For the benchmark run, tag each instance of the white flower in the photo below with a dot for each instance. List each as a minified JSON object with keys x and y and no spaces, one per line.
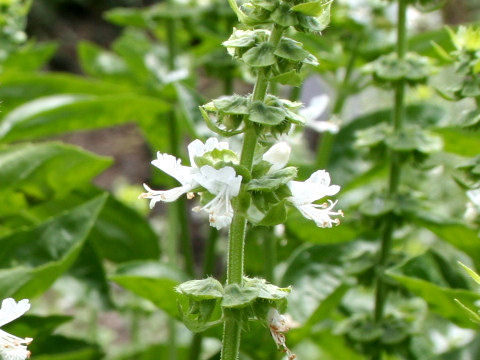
{"x":278,"y":156}
{"x":279,"y":325}
{"x":314,"y":111}
{"x":12,"y":347}
{"x":315,"y":188}
{"x":172,"y":166}
{"x":224,"y":184}
{"x":197,"y":148}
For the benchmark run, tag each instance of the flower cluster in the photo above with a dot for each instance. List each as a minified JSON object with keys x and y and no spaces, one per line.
{"x":220,"y":184}
{"x":306,"y":193}
{"x":13,"y":347}
{"x":223,"y":183}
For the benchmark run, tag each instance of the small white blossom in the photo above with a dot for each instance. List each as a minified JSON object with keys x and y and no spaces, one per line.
{"x":317,"y":107}
{"x":305,"y":193}
{"x":12,"y":347}
{"x":224,"y":184}
{"x":278,"y":156}
{"x":279,"y":325}
{"x":172,"y":166}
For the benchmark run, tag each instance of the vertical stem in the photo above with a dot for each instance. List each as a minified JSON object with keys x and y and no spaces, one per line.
{"x":295,"y":93}
{"x":232,"y":327}
{"x":327,"y":139}
{"x":270,"y":253}
{"x":395,"y":170}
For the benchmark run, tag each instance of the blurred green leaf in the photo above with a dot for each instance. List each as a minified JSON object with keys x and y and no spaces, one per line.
{"x":47,"y":170}
{"x":461,"y":142}
{"x":153,"y":281}
{"x":98,"y":62}
{"x":460,"y":236}
{"x":65,"y":113}
{"x":59,"y":347}
{"x":319,"y":272}
{"x":35,"y":326}
{"x":428,"y":279}
{"x":30,"y":57}
{"x":20,"y":87}
{"x":33,"y":259}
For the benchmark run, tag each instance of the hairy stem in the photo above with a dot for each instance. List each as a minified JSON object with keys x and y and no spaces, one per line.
{"x":395,"y":170}
{"x":232,"y":327}
{"x":326,"y":143}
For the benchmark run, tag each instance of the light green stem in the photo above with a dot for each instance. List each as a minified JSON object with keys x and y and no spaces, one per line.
{"x":395,"y":172}
{"x":327,"y":140}
{"x":232,"y":327}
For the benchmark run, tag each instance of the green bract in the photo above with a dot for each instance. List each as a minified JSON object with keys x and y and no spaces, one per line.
{"x":389,"y":69}
{"x":303,"y":15}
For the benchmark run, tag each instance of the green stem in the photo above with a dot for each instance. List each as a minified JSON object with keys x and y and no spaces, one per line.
{"x":232,"y":327}
{"x":270,"y":253}
{"x":295,"y":93}
{"x":395,"y":172}
{"x":327,"y":139}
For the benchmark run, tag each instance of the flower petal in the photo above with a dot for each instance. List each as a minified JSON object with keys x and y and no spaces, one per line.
{"x":12,"y":310}
{"x":316,"y":108}
{"x":172,"y":166}
{"x":278,"y":155}
{"x":164,"y":195}
{"x":12,"y":347}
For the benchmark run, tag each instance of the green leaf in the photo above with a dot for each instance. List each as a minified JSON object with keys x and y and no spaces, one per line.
{"x":320,"y":272}
{"x":122,"y":234}
{"x":460,"y":236}
{"x":265,"y":115}
{"x":59,"y":347}
{"x":472,"y":273}
{"x":30,"y":57}
{"x":267,"y":291}
{"x":271,"y":181}
{"x":100,"y":63}
{"x":57,"y":114}
{"x":317,"y":8}
{"x":292,"y":78}
{"x":20,"y":87}
{"x":205,"y":289}
{"x":414,"y":138}
{"x":465,"y":143}
{"x":48,"y":169}
{"x":153,"y":281}
{"x":233,"y":104}
{"x":236,"y":296}
{"x":45,"y":252}
{"x":440,"y":299}
{"x":127,"y":17}
{"x":291,"y":50}
{"x":277,"y":214}
{"x":284,"y":16}
{"x":260,"y":55}
{"x":35,"y":326}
